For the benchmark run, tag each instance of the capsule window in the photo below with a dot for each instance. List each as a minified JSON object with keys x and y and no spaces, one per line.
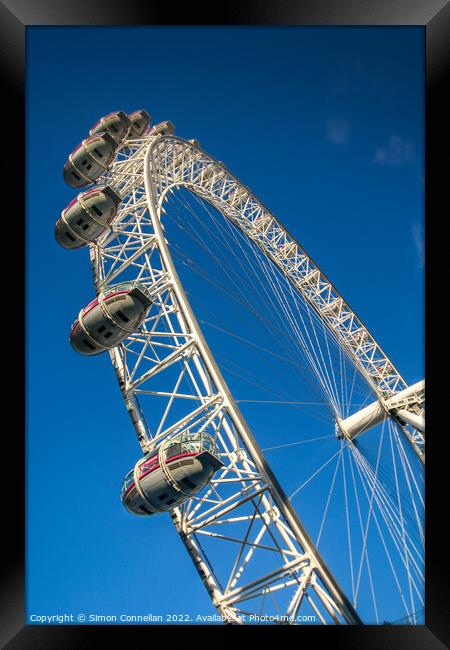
{"x":173,"y":450}
{"x":99,"y":153}
{"x":122,"y":316}
{"x":144,"y":509}
{"x":170,"y":501}
{"x":101,"y":329}
{"x":108,"y":334}
{"x":79,"y":222}
{"x":96,"y":210}
{"x":86,"y":226}
{"x":163,"y":496}
{"x":113,"y":128}
{"x":109,"y":301}
{"x":76,"y":176}
{"x":70,"y":236}
{"x":187,"y":481}
{"x":88,"y":345}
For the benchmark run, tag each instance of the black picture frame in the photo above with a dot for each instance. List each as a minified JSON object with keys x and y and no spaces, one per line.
{"x":15,"y":17}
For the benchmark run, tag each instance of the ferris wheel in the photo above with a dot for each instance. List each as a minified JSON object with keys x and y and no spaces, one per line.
{"x":200,"y":460}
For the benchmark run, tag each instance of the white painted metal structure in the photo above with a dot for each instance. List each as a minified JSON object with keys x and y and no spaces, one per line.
{"x":244,"y":505}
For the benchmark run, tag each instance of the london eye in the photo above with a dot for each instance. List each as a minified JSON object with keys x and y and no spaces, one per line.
{"x":275,"y":533}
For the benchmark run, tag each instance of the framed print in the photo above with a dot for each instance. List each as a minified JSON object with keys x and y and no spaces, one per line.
{"x":226,"y":234}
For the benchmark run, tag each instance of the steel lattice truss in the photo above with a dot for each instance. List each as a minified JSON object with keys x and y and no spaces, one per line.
{"x":243,"y":521}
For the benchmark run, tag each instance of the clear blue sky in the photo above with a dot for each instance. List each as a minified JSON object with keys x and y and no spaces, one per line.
{"x":326,"y":126}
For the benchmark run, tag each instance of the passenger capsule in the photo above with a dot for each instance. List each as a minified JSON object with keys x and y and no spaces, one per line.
{"x":195,"y":142}
{"x":163,"y":128}
{"x":110,"y":318}
{"x":166,"y":477}
{"x":89,"y":160}
{"x":86,"y":217}
{"x":116,"y":124}
{"x":140,"y":121}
